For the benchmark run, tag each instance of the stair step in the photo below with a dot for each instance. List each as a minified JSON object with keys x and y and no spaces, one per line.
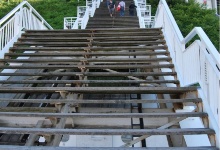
{"x":101,"y":27}
{"x":87,"y":101}
{"x":185,"y":131}
{"x":103,"y":115}
{"x":94,"y":74}
{"x":84,"y":81}
{"x":109,"y":43}
{"x":95,"y":34}
{"x":124,"y":38}
{"x":115,"y":23}
{"x":124,"y":60}
{"x":136,"y":48}
{"x":100,"y":90}
{"x":34,"y":66}
{"x":131,"y":19}
{"x":96,"y":30}
{"x":113,"y":26}
{"x":85,"y":53}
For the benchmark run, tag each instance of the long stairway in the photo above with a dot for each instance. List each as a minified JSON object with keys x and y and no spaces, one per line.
{"x":106,"y":88}
{"x":102,"y":18}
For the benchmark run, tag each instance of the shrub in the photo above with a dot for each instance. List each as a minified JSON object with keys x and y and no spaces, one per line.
{"x":53,"y":11}
{"x":190,"y":15}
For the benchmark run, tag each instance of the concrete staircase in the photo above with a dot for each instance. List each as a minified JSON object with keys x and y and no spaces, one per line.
{"x":99,"y":83}
{"x":102,"y":18}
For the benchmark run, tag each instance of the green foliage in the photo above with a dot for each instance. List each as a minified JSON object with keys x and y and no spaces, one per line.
{"x":190,"y":15}
{"x":53,"y":11}
{"x":6,"y":7}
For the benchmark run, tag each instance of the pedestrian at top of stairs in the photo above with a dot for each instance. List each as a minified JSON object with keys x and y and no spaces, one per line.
{"x":111,"y":8}
{"x":132,"y":7}
{"x":122,"y":9}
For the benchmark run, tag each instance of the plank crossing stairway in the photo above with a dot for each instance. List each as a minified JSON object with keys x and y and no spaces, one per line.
{"x":94,"y":82}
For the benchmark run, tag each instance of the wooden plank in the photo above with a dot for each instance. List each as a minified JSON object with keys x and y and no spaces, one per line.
{"x":86,"y":42}
{"x":95,"y":34}
{"x":11,"y":147}
{"x":96,"y":30}
{"x":28,"y":109}
{"x":70,"y":54}
{"x":86,"y":66}
{"x":87,"y":101}
{"x":100,"y":90}
{"x":52,"y":43}
{"x":58,"y":38}
{"x":118,"y":48}
{"x":103,"y":115}
{"x":186,"y":131}
{"x":128,"y":60}
{"x":85,"y":81}
{"x":103,"y":74}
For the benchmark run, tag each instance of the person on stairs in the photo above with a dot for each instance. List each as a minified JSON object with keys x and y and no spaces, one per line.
{"x":107,"y":3}
{"x":122,"y":9}
{"x":132,"y":9}
{"x":111,"y":8}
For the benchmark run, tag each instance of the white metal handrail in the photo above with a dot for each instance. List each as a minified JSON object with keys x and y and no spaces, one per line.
{"x":144,"y":14}
{"x":198,"y":63}
{"x":24,"y":16}
{"x":85,"y":19}
{"x":83,"y":14}
{"x":91,"y":4}
{"x":70,"y":23}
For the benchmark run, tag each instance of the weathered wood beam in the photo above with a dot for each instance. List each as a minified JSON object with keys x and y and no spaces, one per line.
{"x":185,"y":131}
{"x":118,"y":48}
{"x":86,"y":66}
{"x":133,"y":60}
{"x":109,"y":43}
{"x":118,"y":38}
{"x":85,"y":81}
{"x":28,"y":109}
{"x":104,"y":115}
{"x":70,"y":54}
{"x":146,"y":30}
{"x":84,"y":101}
{"x":94,"y":34}
{"x":96,"y":90}
{"x":104,"y":74}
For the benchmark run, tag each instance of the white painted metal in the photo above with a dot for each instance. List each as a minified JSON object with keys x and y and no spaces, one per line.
{"x":144,"y":14}
{"x":83,"y":14}
{"x":70,"y":23}
{"x":92,"y":4}
{"x":198,"y":63}
{"x":24,"y":16}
